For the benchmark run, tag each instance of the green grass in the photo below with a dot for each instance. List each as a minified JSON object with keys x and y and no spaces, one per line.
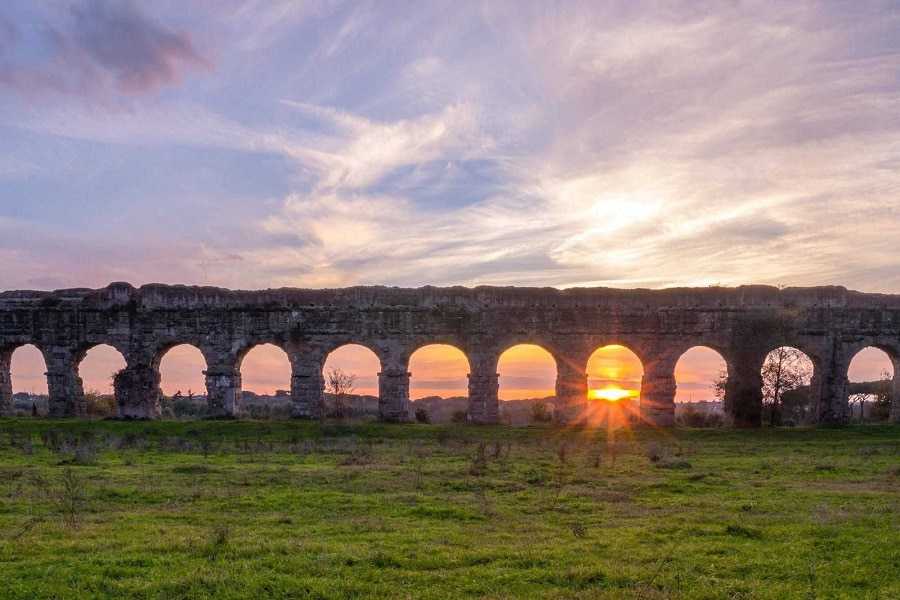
{"x":253,"y":509}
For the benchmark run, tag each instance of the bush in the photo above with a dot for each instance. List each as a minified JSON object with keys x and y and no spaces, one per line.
{"x":422,"y":416}
{"x":459,"y":416}
{"x":691,"y":417}
{"x":540,"y":414}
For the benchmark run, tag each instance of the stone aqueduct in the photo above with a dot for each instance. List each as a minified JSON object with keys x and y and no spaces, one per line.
{"x":743,"y":324}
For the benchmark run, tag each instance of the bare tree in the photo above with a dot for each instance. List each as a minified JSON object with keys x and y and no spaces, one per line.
{"x":784,"y":370}
{"x":860,"y":400}
{"x":881,"y":408}
{"x":340,"y":385}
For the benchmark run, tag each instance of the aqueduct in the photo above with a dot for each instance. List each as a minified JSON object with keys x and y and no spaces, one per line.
{"x":830,"y":324}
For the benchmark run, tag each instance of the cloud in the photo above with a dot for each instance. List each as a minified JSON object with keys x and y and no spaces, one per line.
{"x":100,"y":47}
{"x":532,"y":144}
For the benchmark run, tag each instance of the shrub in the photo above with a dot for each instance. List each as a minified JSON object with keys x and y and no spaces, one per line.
{"x":460,"y":416}
{"x":540,"y":414}
{"x":71,"y":498}
{"x":422,"y":416}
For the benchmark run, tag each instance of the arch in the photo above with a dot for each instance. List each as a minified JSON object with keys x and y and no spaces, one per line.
{"x":266,"y":372}
{"x":182,"y":369}
{"x":96,"y":368}
{"x":700,"y":374}
{"x":438,"y":370}
{"x":357,"y":367}
{"x":869,"y":364}
{"x":265,"y":369}
{"x":614,"y":373}
{"x":872,"y":379}
{"x":98,"y":365}
{"x":787,"y":395}
{"x":27,"y":384}
{"x":526,"y":371}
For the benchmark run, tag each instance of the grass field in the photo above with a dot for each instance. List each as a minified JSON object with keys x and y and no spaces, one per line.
{"x":288,"y":509}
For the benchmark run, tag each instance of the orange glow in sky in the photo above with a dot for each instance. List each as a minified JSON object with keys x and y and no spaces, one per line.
{"x":614,"y":373}
{"x":438,"y":370}
{"x":359,"y":361}
{"x":611,"y":394}
{"x":695,"y":373}
{"x":526,"y":371}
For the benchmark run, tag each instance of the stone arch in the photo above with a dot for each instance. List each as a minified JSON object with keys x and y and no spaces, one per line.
{"x":36,"y":374}
{"x":615,"y":386}
{"x":272,"y":352}
{"x":94,"y":361}
{"x":265,"y":373}
{"x":526,"y":369}
{"x":701,"y":379}
{"x":614,"y":366}
{"x":698,"y":369}
{"x":872,"y":372}
{"x":185,"y":369}
{"x":453,"y":368}
{"x":98,"y":366}
{"x":355,"y":358}
{"x":790,"y":385}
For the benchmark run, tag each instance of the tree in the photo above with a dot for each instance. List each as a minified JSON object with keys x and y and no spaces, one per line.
{"x":881,"y":405}
{"x":720,"y":384}
{"x":860,"y":400}
{"x":340,"y":385}
{"x":784,"y":370}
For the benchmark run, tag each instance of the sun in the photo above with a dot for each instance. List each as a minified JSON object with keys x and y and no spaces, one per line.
{"x":611,"y":394}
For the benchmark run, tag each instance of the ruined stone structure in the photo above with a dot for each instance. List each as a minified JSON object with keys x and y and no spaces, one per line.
{"x":830,"y":324}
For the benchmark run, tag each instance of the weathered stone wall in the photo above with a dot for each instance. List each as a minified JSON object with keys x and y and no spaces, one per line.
{"x":743,"y":324}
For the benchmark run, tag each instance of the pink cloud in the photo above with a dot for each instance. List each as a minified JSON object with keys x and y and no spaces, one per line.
{"x":103,"y":46}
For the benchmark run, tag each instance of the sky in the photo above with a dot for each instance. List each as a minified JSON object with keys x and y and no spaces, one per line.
{"x":254,"y":144}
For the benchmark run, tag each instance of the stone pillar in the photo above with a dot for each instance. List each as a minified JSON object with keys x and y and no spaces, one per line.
{"x":571,"y":389}
{"x":829,"y":388}
{"x":137,"y":392}
{"x":658,"y":393}
{"x":393,"y":394}
{"x":307,"y":388}
{"x":6,"y":400}
{"x":743,"y":390}
{"x":895,"y":392}
{"x":484,"y":385}
{"x":223,"y":391}
{"x":63,"y":384}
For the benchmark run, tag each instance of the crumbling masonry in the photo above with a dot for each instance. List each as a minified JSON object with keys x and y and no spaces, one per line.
{"x":830,"y":324}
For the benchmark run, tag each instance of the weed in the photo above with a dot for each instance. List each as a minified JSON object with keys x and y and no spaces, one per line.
{"x":578,"y":529}
{"x":479,"y":461}
{"x":71,"y":498}
{"x":218,"y":541}
{"x":743,"y":532}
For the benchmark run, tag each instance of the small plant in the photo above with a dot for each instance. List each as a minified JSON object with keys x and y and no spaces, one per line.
{"x":744,"y":532}
{"x":497,"y":451}
{"x":422,"y":416}
{"x":71,"y":498}
{"x":578,"y":529}
{"x":562,"y":453}
{"x":540,"y":413}
{"x":655,"y":452}
{"x":218,"y":541}
{"x":459,"y":416}
{"x":479,"y":461}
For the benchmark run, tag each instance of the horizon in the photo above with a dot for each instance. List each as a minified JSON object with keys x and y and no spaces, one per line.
{"x":245,"y":146}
